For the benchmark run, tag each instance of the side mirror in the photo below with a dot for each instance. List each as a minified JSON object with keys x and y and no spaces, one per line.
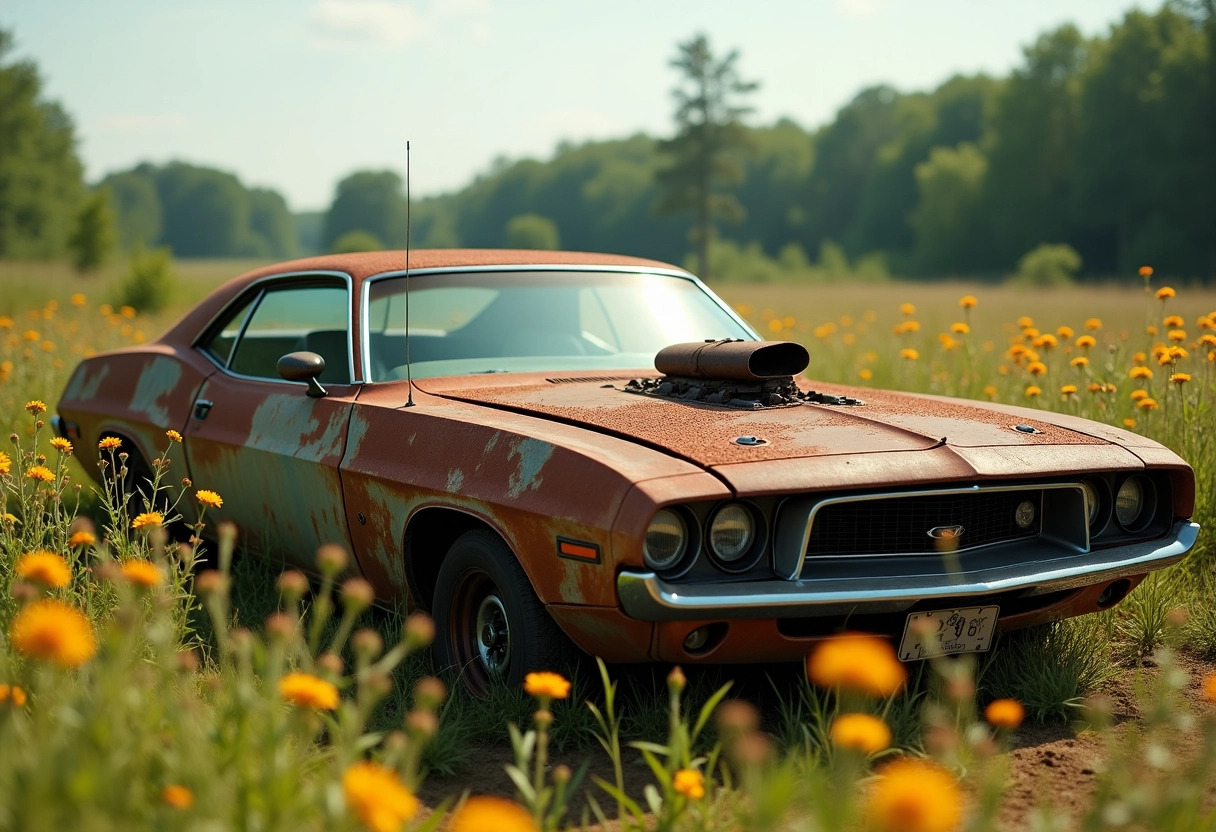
{"x":303,"y":366}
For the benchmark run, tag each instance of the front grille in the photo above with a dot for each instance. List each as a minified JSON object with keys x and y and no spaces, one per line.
{"x":900,"y":525}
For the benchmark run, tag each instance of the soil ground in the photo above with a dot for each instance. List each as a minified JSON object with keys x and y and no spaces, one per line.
{"x":1052,"y":763}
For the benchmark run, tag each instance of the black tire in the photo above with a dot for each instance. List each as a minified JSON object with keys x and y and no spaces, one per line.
{"x":489,"y":625}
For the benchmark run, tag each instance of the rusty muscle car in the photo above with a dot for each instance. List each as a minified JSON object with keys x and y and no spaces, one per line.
{"x":551,"y":451}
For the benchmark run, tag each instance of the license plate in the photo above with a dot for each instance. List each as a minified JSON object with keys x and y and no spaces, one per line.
{"x":945,"y":632}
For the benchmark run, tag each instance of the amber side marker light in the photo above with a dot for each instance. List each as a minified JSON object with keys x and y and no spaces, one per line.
{"x":578,"y":550}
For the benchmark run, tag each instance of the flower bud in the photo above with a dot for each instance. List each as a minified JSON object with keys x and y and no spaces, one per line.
{"x":737,"y":717}
{"x":676,"y":682}
{"x":429,"y":693}
{"x":187,"y":660}
{"x":419,"y":630}
{"x":211,"y":582}
{"x":378,"y":684}
{"x":422,"y":725}
{"x":357,"y":595}
{"x":331,"y":559}
{"x":332,"y":663}
{"x":562,"y":774}
{"x":367,"y":644}
{"x":280,"y":626}
{"x":543,"y":718}
{"x":293,"y":585}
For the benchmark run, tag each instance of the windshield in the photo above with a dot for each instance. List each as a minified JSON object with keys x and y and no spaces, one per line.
{"x":487,"y":322}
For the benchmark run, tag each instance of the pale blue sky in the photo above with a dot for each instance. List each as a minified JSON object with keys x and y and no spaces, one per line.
{"x":295,"y":94}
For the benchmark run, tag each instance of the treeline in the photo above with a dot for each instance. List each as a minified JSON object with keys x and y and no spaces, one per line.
{"x":1105,"y":145}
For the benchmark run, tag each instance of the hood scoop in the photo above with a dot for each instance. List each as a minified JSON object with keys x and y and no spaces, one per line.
{"x":750,"y":375}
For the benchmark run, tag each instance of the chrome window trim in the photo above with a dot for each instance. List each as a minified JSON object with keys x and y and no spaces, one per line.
{"x":793,"y":534}
{"x":261,"y":288}
{"x":365,"y":290}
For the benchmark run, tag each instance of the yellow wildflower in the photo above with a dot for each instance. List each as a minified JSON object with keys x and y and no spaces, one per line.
{"x":52,"y":631}
{"x":1036,"y":368}
{"x":209,"y":498}
{"x":912,"y":795}
{"x":6,"y":464}
{"x":378,"y":797}
{"x":1093,"y":323}
{"x":1177,"y":353}
{"x":177,"y":796}
{"x":1176,"y":335}
{"x":1086,"y":341}
{"x":959,"y":328}
{"x":1064,"y":332}
{"x":1068,"y":389}
{"x":148,"y":520}
{"x":1165,"y":292}
{"x":82,"y":538}
{"x":1094,"y":387}
{"x":990,"y":390}
{"x":1137,"y":395}
{"x":865,"y":374}
{"x":307,"y":691}
{"x":546,"y":684}
{"x":173,"y":435}
{"x":1025,"y":322}
{"x":35,"y":407}
{"x":1033,"y":390}
{"x":857,"y":661}
{"x":142,"y":572}
{"x":860,"y":732}
{"x":1209,"y":687}
{"x":46,"y":568}
{"x":1046,"y":341}
{"x":40,"y":473}
{"x":1173,"y":322}
{"x":12,"y":693}
{"x":1146,"y":272}
{"x":1180,"y":378}
{"x":1140,"y":372}
{"x":109,"y":443}
{"x":1147,"y":404}
{"x":1005,"y":713}
{"x":62,"y":445}
{"x":967,"y":301}
{"x":907,"y":309}
{"x":491,"y":814}
{"x":1129,"y":423}
{"x":1079,"y":361}
{"x":909,"y":354}
{"x":690,"y":783}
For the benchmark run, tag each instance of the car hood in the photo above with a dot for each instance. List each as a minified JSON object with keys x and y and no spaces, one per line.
{"x":887,"y":423}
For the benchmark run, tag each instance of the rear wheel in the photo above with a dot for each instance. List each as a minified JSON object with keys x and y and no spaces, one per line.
{"x":490,"y":626}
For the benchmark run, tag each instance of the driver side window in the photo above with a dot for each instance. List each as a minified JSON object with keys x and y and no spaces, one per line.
{"x":283,"y":320}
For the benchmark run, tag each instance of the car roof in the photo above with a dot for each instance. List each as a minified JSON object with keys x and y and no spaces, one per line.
{"x":364,"y":264}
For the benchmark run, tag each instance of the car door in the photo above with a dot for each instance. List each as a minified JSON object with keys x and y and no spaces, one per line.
{"x":269,"y":449}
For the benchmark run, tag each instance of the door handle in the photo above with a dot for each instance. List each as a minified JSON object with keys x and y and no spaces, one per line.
{"x":201,"y":408}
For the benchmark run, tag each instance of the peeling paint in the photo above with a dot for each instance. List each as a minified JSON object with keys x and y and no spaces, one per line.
{"x":157,"y":378}
{"x":490,"y":445}
{"x":288,"y":418}
{"x":533,"y":454}
{"x":455,"y":480}
{"x":83,"y":386}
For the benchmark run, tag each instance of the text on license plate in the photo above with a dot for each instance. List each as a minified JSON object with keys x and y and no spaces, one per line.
{"x":943,"y":632}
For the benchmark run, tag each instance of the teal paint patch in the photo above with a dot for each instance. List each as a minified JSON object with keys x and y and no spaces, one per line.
{"x":289,"y":420}
{"x":533,"y":454}
{"x":357,"y":431}
{"x":157,"y":379}
{"x":490,"y":445}
{"x":389,"y":509}
{"x":455,"y":480}
{"x":82,"y":386}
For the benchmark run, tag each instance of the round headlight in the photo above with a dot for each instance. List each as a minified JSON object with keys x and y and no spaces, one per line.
{"x":731,"y":532}
{"x":666,"y":540}
{"x":1129,"y":502}
{"x":1092,"y":502}
{"x":1023,"y":515}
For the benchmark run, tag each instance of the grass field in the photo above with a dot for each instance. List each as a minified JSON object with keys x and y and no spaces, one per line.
{"x":286,"y":694}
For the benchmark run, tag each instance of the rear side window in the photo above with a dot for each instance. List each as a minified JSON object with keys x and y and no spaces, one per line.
{"x":282,"y":320}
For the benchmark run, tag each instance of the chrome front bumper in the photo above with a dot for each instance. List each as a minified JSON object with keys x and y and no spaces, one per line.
{"x":647,"y":597}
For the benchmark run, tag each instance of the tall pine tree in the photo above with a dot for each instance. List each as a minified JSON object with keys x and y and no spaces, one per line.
{"x":704,"y":155}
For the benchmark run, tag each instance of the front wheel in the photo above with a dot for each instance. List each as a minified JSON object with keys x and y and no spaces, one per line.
{"x":490,"y":626}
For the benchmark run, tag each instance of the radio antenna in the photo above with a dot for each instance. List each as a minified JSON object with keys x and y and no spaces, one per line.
{"x":409,"y":379}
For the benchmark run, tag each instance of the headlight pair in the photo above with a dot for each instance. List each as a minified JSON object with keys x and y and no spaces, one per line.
{"x":731,"y":534}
